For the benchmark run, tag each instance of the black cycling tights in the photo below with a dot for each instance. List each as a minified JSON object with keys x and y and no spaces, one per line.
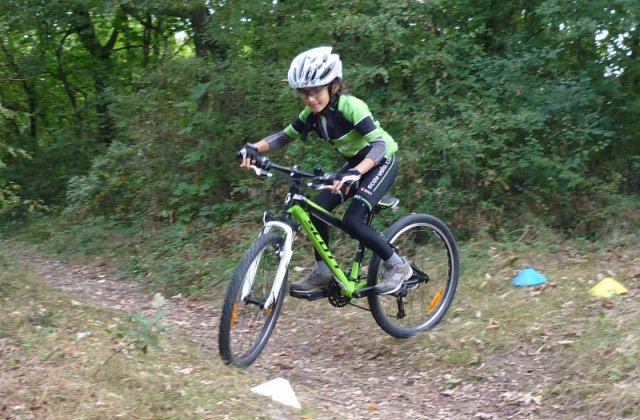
{"x":354,"y":223}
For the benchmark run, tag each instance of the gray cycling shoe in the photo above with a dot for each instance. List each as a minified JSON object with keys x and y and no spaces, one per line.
{"x":312,"y":282}
{"x":393,"y":277}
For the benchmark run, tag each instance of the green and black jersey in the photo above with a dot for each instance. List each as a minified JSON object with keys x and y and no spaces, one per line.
{"x":349,"y":126}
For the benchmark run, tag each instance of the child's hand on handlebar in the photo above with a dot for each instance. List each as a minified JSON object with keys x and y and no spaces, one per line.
{"x":346,"y":180}
{"x":249,"y":154}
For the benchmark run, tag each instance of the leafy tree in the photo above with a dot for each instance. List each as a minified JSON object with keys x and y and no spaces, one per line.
{"x":501,"y":109}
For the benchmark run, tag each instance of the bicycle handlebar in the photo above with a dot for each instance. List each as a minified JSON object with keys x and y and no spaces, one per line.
{"x":264,"y":164}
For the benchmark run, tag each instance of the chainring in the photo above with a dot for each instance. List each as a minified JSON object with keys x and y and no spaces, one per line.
{"x":334,"y":294}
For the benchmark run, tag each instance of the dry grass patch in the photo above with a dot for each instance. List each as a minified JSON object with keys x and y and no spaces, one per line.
{"x":61,"y":358}
{"x":555,"y":343}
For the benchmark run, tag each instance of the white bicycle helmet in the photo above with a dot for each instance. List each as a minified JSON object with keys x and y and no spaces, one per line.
{"x":315,"y":67}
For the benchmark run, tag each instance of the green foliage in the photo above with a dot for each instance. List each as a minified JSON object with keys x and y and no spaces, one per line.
{"x":505,"y":114}
{"x":178,"y":258}
{"x":147,"y":330}
{"x":145,"y":333}
{"x":13,"y":207}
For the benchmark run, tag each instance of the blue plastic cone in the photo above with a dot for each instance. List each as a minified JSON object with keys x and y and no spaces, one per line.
{"x":529,"y":277}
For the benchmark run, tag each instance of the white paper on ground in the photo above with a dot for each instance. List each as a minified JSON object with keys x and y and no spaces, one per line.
{"x":279,"y":390}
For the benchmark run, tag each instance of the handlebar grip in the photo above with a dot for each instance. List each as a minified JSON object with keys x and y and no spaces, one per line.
{"x":261,"y":172}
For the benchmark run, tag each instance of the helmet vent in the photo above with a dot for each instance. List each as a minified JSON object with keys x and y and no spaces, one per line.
{"x":315,"y":67}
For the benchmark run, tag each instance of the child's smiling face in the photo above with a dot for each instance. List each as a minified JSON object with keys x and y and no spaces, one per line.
{"x":317,"y":98}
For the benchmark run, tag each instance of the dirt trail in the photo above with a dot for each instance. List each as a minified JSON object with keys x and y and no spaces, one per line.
{"x":364,"y":374}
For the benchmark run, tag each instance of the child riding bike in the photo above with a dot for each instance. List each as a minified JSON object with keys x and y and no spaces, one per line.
{"x":346,"y":123}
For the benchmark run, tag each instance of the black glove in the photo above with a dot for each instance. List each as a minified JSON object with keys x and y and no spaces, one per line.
{"x":349,"y":180}
{"x":248,"y":152}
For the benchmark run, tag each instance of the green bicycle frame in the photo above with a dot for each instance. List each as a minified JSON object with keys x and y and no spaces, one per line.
{"x":350,"y":285}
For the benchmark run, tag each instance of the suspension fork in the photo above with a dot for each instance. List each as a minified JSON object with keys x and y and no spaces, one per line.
{"x":285,"y":253}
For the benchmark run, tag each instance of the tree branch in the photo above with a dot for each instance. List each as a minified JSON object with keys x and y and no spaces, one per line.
{"x":24,"y":79}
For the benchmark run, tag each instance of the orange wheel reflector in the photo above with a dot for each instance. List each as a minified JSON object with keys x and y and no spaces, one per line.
{"x":234,"y":316}
{"x":270,"y":311}
{"x":436,"y":301}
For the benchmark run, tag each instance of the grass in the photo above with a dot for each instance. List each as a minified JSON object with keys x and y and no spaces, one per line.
{"x":176,"y":258}
{"x":583,"y":351}
{"x":577,"y":354}
{"x":60,"y":358}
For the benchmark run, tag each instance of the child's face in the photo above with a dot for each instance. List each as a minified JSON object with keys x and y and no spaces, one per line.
{"x":317,"y":98}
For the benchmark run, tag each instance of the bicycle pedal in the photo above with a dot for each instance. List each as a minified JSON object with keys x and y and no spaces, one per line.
{"x":364,"y":292}
{"x":410,"y":284}
{"x":314,"y":295}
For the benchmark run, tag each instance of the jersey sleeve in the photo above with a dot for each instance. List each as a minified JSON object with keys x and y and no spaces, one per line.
{"x":359,"y":114}
{"x":295,"y":129}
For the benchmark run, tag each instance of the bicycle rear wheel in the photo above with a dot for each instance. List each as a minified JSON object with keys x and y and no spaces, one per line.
{"x":245,"y":324}
{"x":422,"y":301}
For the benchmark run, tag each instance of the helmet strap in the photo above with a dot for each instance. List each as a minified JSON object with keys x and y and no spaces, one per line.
{"x":307,"y":127}
{"x":334,"y":93}
{"x":333,"y":100}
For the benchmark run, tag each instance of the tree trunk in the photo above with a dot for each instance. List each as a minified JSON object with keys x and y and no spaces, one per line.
{"x":84,"y":27}
{"x":29,"y":91}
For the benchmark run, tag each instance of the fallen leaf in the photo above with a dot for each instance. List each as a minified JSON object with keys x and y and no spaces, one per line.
{"x":607,"y":303}
{"x":186,"y":371}
{"x":484,"y":416}
{"x":81,"y":335}
{"x":493,"y":324}
{"x":283,"y":366}
{"x":529,"y":399}
{"x":158,"y":301}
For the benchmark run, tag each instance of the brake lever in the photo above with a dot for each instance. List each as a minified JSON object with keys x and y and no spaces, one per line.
{"x":261,"y":172}
{"x":319,"y":186}
{"x":326,"y":182}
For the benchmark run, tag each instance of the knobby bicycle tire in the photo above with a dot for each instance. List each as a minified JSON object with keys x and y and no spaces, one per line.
{"x":429,"y":245}
{"x":245,"y":326}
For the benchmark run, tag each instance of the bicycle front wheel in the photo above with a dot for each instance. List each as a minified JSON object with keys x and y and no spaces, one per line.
{"x":246,"y":324}
{"x":422,"y":301}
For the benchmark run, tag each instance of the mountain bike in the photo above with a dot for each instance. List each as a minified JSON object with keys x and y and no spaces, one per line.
{"x":256,"y":292}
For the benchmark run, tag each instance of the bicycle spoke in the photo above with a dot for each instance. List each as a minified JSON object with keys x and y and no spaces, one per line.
{"x":424,"y":298}
{"x":245,"y":324}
